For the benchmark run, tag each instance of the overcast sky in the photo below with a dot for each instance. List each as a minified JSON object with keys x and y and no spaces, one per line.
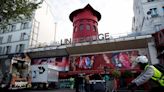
{"x":116,"y":15}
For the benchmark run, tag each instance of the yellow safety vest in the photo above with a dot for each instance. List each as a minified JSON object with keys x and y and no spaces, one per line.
{"x":158,"y":76}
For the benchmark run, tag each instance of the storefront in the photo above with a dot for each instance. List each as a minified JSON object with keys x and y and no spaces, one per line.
{"x":105,"y":63}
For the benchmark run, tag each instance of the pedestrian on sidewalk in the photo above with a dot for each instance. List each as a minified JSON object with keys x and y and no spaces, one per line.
{"x":87,"y":83}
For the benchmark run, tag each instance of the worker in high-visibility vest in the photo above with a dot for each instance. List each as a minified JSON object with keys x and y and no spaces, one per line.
{"x":151,"y":73}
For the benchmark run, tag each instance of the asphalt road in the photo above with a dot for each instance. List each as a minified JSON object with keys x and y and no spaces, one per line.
{"x":48,"y":90}
{"x":39,"y":90}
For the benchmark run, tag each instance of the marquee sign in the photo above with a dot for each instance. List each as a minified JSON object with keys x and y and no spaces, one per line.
{"x":100,"y":37}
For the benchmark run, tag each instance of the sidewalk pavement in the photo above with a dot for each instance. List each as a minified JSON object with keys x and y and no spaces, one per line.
{"x":64,"y":90}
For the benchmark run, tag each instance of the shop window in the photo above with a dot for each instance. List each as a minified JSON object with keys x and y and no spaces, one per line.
{"x":88,"y":27}
{"x":81,"y":27}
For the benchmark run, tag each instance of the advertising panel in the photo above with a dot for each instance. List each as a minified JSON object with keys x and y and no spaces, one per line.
{"x":120,"y":60}
{"x":60,"y":63}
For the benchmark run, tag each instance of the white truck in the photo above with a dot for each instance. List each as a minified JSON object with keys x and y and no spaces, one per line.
{"x":44,"y":76}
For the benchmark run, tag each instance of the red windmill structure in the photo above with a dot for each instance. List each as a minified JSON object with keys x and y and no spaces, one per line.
{"x":85,"y":24}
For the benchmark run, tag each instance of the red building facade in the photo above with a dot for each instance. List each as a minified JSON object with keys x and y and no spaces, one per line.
{"x":93,"y":58}
{"x":85,"y":24}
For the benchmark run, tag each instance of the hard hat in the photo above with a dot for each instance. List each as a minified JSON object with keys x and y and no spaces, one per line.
{"x":141,"y":59}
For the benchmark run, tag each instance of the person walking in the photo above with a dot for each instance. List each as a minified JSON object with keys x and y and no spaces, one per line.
{"x":87,"y":83}
{"x":109,"y":83}
{"x":99,"y":85}
{"x":150,"y":73}
{"x":77,"y":83}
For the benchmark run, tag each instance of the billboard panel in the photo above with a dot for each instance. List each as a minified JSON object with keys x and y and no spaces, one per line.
{"x":60,"y":63}
{"x":120,"y":60}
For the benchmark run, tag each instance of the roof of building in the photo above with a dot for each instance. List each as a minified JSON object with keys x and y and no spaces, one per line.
{"x":88,"y":6}
{"x":117,"y":44}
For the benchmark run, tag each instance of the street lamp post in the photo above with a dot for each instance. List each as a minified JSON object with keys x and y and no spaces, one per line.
{"x":55,"y":32}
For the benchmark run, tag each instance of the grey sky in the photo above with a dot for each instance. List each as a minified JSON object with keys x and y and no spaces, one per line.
{"x":116,"y":15}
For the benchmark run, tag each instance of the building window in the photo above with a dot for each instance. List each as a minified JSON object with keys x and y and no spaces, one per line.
{"x":22,"y":36}
{"x":24,"y":25}
{"x":81,"y":21}
{"x":75,"y":29}
{"x":88,"y":27}
{"x":17,"y":48}
{"x":1,"y":40}
{"x":153,"y":12}
{"x":8,"y":49}
{"x":150,"y":0}
{"x":20,"y":48}
{"x":81,"y":27}
{"x":13,"y":27}
{"x":9,"y":38}
{"x":2,"y":30}
{"x":94,"y":28}
{"x":0,"y":50}
{"x":3,"y":50}
{"x":7,"y":28}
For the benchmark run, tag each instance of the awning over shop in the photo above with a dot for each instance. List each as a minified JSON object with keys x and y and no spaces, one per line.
{"x":48,"y":53}
{"x":81,"y":48}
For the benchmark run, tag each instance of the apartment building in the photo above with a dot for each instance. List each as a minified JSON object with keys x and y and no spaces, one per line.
{"x":17,"y":36}
{"x":148,"y":16}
